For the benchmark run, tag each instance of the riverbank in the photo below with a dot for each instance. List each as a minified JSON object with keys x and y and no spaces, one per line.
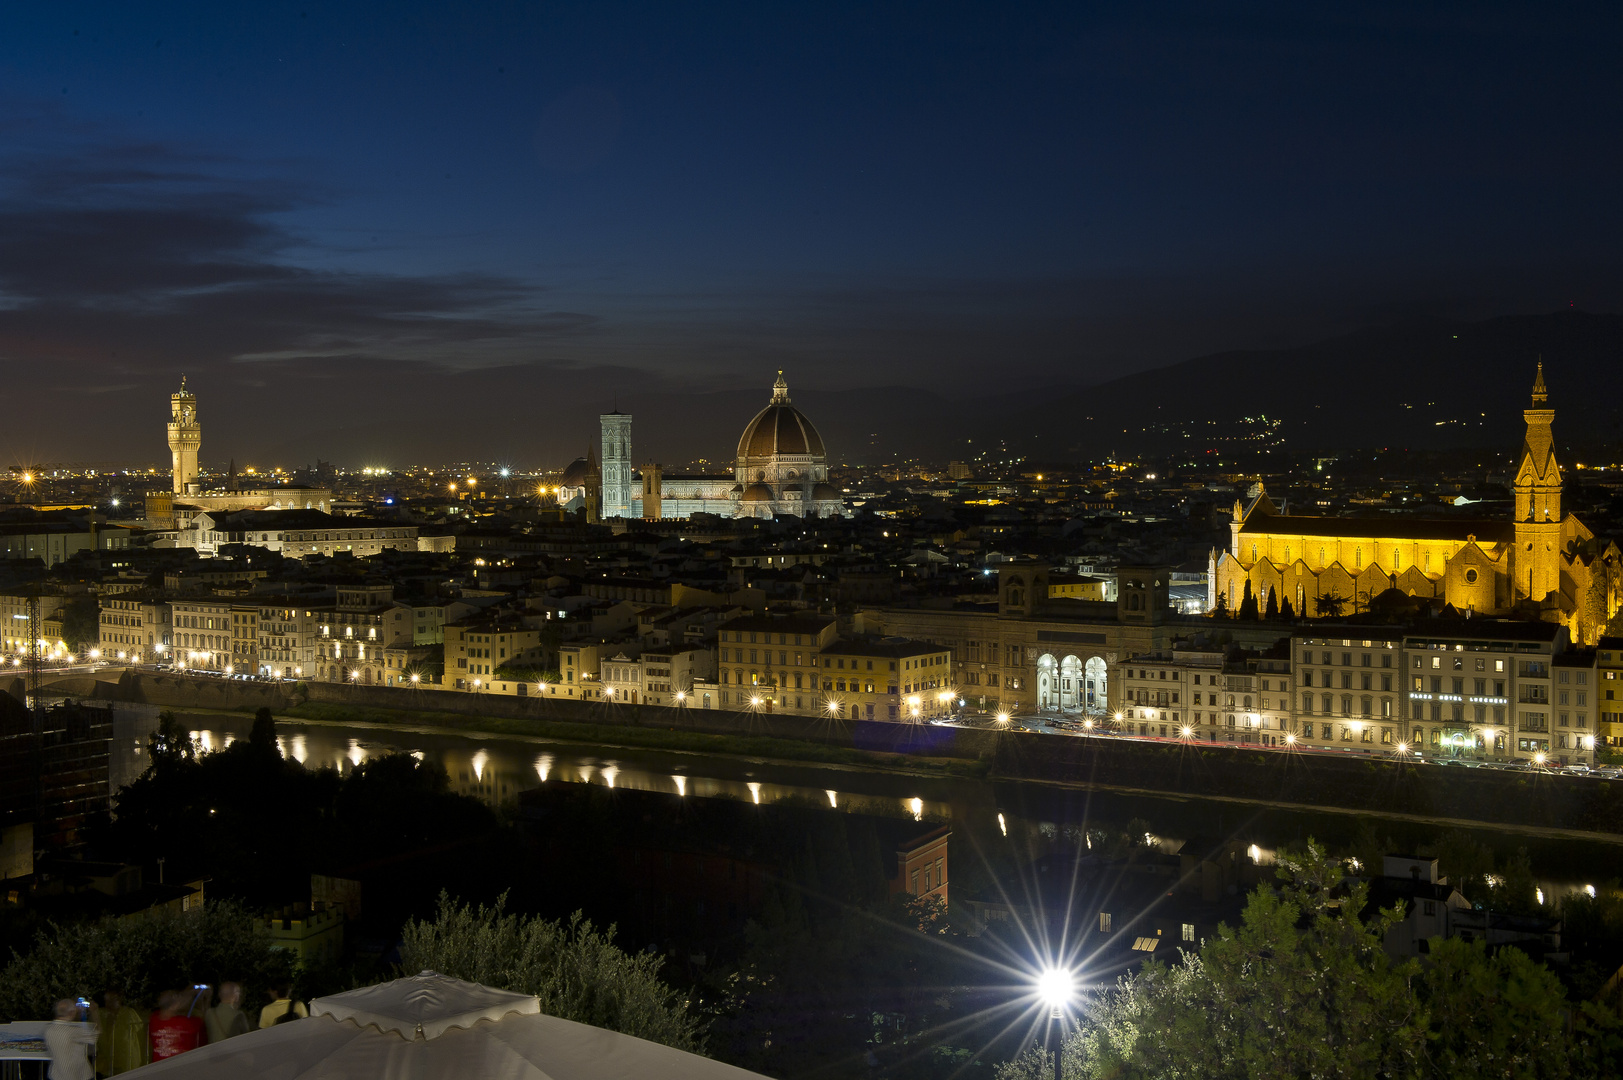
{"x":1377,"y":785}
{"x":768,"y":748}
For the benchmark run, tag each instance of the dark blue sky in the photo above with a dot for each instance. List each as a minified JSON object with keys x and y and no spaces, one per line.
{"x":336,"y":214}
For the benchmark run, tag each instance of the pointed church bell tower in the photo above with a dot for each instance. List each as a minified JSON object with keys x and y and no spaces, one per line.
{"x":1536,"y":559}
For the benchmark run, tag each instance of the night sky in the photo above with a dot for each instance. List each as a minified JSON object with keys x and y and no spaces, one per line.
{"x":422,"y":232}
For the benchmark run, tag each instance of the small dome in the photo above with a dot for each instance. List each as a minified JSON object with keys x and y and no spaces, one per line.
{"x":575,"y":474}
{"x":757,"y":493}
{"x":780,"y":428}
{"x":825,"y":491}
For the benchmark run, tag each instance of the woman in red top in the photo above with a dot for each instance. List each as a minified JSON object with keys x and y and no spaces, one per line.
{"x":172,"y":1029}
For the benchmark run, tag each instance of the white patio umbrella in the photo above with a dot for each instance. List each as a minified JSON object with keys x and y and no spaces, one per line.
{"x":430,"y":1026}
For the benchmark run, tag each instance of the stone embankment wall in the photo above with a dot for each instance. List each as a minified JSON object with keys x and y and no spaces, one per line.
{"x":1374,"y":784}
{"x":229,"y":695}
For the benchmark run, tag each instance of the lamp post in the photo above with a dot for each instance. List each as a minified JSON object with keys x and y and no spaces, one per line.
{"x":1055,"y":987}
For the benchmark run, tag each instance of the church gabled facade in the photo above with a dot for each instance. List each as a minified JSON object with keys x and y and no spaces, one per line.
{"x":1540,"y":562}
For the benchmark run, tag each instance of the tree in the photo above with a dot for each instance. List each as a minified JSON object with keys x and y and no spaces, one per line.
{"x":1271,"y":612}
{"x":1329,"y":605}
{"x":171,"y":746}
{"x":161,"y":950}
{"x":575,"y":969}
{"x":1221,"y":611}
{"x":263,"y":735}
{"x":1287,"y":610}
{"x":1248,"y":603}
{"x":1498,"y":1015}
{"x":1302,"y":988}
{"x":259,"y":824}
{"x":81,"y":623}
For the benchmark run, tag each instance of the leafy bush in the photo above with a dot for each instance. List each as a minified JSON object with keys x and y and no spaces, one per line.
{"x":141,"y":956}
{"x":576,"y":970}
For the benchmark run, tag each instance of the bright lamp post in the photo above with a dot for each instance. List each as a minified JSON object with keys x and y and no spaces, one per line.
{"x":1055,"y":988}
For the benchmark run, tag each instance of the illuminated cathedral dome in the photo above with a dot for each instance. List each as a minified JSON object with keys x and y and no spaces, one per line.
{"x":780,"y":428}
{"x":782,"y":466}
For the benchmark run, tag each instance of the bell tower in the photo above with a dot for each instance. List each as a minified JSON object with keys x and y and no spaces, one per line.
{"x":185,"y":437}
{"x":1535,"y":561}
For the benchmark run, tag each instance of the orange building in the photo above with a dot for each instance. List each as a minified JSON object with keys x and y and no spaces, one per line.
{"x":1539,"y":561}
{"x":921,"y":865}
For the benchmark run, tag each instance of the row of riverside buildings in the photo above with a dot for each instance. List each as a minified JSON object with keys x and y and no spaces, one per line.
{"x":1440,"y":684}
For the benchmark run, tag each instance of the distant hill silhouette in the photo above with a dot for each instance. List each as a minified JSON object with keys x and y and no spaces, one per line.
{"x":1416,"y":385}
{"x":1464,"y":385}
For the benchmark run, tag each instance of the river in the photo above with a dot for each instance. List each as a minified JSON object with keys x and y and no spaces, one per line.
{"x":496,"y":769}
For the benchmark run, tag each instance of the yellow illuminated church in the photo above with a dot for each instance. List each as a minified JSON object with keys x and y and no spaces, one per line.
{"x":1539,"y":563}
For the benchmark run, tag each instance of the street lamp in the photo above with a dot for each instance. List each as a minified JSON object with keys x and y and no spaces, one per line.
{"x":1055,"y":988}
{"x":1003,"y":718}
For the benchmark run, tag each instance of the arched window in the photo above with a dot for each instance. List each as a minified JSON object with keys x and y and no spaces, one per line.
{"x":1321,"y":558}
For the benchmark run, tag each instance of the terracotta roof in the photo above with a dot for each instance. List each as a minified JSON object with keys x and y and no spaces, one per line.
{"x":780,"y":429}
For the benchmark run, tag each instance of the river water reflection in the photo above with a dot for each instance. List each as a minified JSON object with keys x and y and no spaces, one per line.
{"x":496,"y":769}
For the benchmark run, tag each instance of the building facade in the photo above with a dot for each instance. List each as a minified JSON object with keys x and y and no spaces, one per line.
{"x":1609,"y":689}
{"x":202,"y":632}
{"x":295,"y":533}
{"x":1033,"y":651}
{"x":134,"y":627}
{"x":774,"y":662}
{"x":1539,"y":562}
{"x":289,"y":636}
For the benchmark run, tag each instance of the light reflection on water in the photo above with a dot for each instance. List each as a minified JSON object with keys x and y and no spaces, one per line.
{"x":497,"y":771}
